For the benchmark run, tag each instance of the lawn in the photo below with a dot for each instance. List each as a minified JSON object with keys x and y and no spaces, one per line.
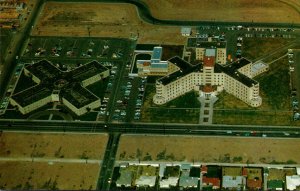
{"x":276,"y":108}
{"x":184,"y":109}
{"x":254,"y":48}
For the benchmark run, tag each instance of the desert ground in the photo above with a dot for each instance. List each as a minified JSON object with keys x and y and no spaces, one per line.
{"x":209,"y":149}
{"x":114,"y":20}
{"x":41,"y":175}
{"x":276,"y":11}
{"x":51,"y":145}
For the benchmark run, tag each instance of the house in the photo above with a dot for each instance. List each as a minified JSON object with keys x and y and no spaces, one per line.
{"x":188,"y":182}
{"x":211,"y":177}
{"x":169,"y":176}
{"x":146,"y":176}
{"x":277,"y":177}
{"x":233,"y":182}
{"x":186,"y":31}
{"x":232,"y":178}
{"x":253,"y":177}
{"x":185,"y":180}
{"x":293,"y":182}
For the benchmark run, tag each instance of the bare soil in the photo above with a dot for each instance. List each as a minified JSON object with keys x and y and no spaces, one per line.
{"x":208,"y":149}
{"x":50,"y":145}
{"x":102,"y":20}
{"x":275,"y":11}
{"x":40,"y":175}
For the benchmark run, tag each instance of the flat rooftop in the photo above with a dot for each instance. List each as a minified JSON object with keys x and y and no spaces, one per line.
{"x":31,"y":95}
{"x":185,"y":68}
{"x":67,"y":82}
{"x":78,"y":95}
{"x":232,"y":71}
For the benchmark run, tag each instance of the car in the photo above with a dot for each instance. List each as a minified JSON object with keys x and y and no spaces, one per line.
{"x":119,"y":101}
{"x":123,"y":113}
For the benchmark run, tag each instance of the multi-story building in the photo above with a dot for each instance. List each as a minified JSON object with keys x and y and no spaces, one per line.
{"x":232,"y":78}
{"x":54,"y":85}
{"x":154,"y":66}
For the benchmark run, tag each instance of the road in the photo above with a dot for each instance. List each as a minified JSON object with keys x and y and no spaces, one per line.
{"x":106,"y":171}
{"x":149,"y":128}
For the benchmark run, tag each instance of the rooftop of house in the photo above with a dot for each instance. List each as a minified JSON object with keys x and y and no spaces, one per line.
{"x":253,"y":183}
{"x":146,"y":181}
{"x":212,"y":181}
{"x":293,"y":182}
{"x":187,"y":181}
{"x":233,"y":181}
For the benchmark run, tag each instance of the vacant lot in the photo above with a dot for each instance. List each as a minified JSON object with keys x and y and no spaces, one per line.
{"x":50,"y":145}
{"x":37,"y":175}
{"x":208,"y":149}
{"x":275,"y":11}
{"x":114,"y":20}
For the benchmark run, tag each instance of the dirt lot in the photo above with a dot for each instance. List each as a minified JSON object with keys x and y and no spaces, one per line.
{"x":227,"y":10}
{"x":114,"y":20}
{"x":49,"y":145}
{"x":28,"y":176}
{"x":209,"y":149}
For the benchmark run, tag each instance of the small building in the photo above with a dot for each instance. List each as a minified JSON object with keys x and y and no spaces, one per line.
{"x":154,"y":66}
{"x":169,"y":177}
{"x":293,"y":182}
{"x":254,"y":178}
{"x":146,"y":175}
{"x":232,"y":178}
{"x":258,"y":68}
{"x":186,"y":31}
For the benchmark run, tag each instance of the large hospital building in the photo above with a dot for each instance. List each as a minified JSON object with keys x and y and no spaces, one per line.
{"x":210,"y":74}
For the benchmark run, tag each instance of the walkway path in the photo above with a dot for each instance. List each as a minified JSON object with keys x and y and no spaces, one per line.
{"x":49,"y":160}
{"x":206,"y":109}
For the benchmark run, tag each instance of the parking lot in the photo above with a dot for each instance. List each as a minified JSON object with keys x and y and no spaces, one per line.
{"x":294,"y":67}
{"x":234,"y":33}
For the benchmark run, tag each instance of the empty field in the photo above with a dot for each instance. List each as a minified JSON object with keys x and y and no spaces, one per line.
{"x":274,"y":11}
{"x":48,"y":176}
{"x":208,"y":149}
{"x":51,"y":145}
{"x":114,"y":20}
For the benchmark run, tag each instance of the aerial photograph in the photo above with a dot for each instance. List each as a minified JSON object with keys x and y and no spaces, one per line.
{"x":189,"y":95}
